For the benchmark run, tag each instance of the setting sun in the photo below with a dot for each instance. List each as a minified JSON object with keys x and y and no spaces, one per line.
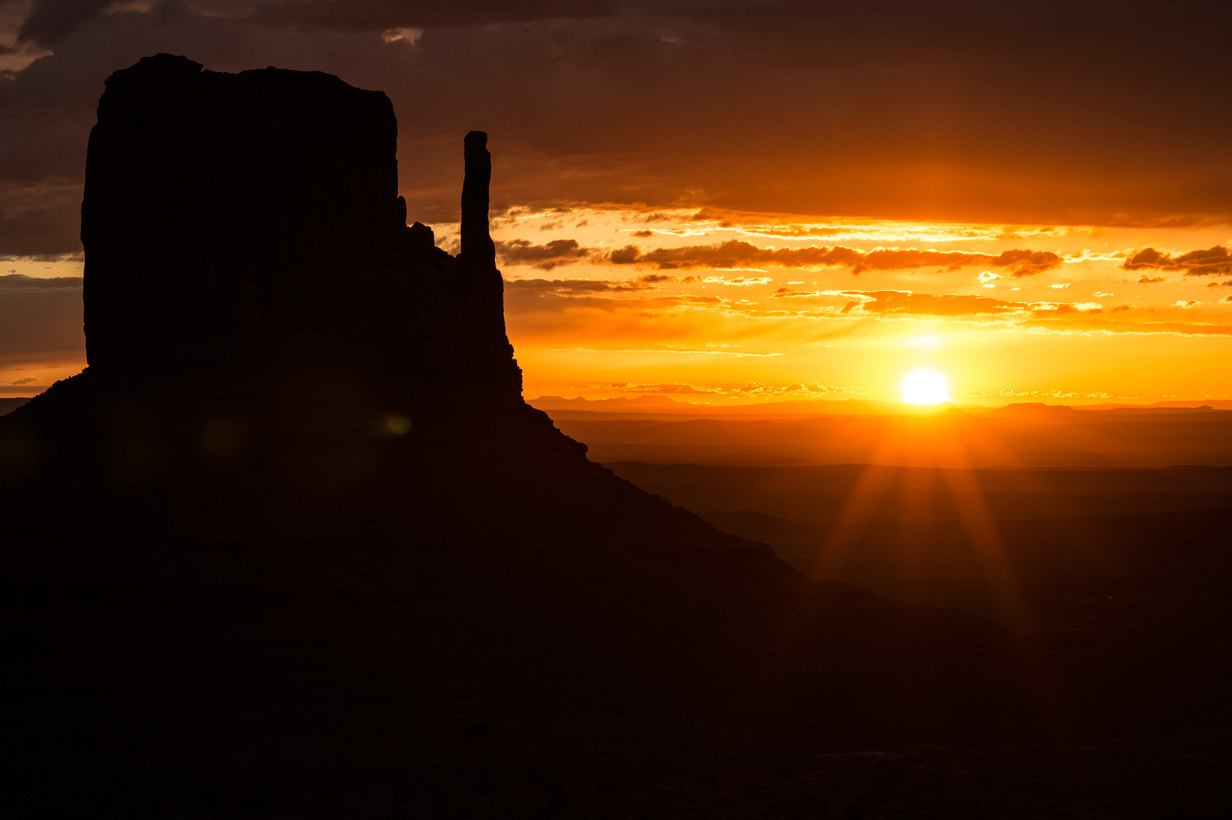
{"x":924,"y":386}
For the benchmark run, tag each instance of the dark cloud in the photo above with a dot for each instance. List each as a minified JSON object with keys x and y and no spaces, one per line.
{"x":569,"y":287}
{"x":627,"y":255}
{"x":1151,"y":280}
{"x":1026,"y":263}
{"x":50,"y":21}
{"x":39,"y":225}
{"x":896,"y":259}
{"x":383,"y":15}
{"x":738,"y":253}
{"x":1214,"y":260}
{"x":541,"y":296}
{"x":883,"y":108}
{"x":545,"y":257}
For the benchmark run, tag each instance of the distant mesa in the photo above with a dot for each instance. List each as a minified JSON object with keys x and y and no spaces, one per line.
{"x":1034,"y":410}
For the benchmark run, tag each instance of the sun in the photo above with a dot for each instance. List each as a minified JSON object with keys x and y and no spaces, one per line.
{"x":924,"y":386}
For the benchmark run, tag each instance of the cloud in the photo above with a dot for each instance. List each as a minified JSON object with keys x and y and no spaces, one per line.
{"x":690,"y":68}
{"x":512,"y":67}
{"x":385,"y":15}
{"x":783,"y":391}
{"x":906,"y":302}
{"x":699,"y":350}
{"x":50,"y":21}
{"x":545,"y":257}
{"x":655,"y":278}
{"x":546,"y":295}
{"x":737,"y":281}
{"x":798,"y":390}
{"x":1026,"y":263}
{"x":41,"y":223}
{"x":1046,"y":310}
{"x":669,"y":388}
{"x":1212,"y":261}
{"x":567,"y":287}
{"x":900,"y":302}
{"x":738,"y":253}
{"x":1151,"y":280}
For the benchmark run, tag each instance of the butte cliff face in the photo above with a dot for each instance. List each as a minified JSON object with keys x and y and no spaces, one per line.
{"x":253,"y":221}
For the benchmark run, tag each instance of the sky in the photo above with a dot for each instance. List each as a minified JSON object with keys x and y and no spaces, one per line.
{"x":733,"y":201}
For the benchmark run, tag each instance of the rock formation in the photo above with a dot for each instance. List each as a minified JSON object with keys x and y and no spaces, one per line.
{"x":265,"y":331}
{"x":253,"y":221}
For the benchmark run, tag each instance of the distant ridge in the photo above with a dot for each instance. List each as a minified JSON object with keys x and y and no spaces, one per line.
{"x":1032,"y":409}
{"x":8,"y":405}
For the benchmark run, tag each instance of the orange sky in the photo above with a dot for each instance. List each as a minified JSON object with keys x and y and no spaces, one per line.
{"x":727,"y":200}
{"x":722,"y":307}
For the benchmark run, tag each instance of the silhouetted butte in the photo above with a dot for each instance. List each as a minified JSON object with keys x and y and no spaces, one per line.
{"x":274,"y":353}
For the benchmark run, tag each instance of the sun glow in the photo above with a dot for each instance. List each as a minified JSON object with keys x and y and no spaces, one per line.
{"x":924,"y":386}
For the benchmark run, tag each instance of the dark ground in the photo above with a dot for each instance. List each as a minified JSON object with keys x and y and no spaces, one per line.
{"x":623,"y":662}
